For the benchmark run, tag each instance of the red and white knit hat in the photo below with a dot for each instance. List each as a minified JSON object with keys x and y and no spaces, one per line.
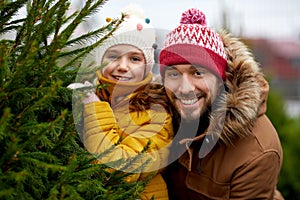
{"x":195,"y":43}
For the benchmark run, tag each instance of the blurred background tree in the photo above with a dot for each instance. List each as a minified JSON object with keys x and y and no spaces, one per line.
{"x":42,"y":156}
{"x":288,"y":129}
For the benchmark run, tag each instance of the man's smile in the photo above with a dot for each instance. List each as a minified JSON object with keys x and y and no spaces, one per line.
{"x":188,"y":101}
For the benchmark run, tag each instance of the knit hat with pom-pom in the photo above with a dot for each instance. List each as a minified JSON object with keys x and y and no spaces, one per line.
{"x":135,"y":30}
{"x":192,"y":42}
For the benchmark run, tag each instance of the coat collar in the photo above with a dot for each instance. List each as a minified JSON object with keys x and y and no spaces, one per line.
{"x":114,"y":91}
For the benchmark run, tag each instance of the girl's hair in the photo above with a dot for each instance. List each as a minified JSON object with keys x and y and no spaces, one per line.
{"x":151,"y":94}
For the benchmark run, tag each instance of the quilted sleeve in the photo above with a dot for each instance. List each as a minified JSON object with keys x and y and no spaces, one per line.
{"x":149,"y":132}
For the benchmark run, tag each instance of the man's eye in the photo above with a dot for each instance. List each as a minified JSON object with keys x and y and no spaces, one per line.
{"x":172,"y":74}
{"x":112,"y":57}
{"x":199,"y":73}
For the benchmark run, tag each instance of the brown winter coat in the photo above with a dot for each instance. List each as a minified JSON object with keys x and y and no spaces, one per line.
{"x":245,"y":162}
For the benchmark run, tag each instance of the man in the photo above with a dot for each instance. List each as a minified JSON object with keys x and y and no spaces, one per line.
{"x":225,"y":146}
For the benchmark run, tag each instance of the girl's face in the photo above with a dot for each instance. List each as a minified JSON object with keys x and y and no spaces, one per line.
{"x":124,"y":63}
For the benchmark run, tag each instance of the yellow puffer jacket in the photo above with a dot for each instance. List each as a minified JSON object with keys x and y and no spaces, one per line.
{"x":128,"y":133}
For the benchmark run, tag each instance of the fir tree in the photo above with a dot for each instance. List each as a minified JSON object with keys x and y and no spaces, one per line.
{"x":42,"y":156}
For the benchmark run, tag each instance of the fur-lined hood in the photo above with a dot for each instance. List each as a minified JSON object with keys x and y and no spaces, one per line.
{"x":238,"y":108}
{"x":246,"y":96}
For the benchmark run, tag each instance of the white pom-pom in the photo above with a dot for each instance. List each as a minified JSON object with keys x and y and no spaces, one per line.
{"x":134,"y":9}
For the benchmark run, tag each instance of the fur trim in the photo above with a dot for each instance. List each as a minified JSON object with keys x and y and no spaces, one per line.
{"x":243,"y":100}
{"x":236,"y":109}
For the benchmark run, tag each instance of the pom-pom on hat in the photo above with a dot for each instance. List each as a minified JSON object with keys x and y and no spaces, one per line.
{"x":195,"y":43}
{"x":135,"y":30}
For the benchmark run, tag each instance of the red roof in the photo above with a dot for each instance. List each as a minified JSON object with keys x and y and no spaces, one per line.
{"x":279,"y":58}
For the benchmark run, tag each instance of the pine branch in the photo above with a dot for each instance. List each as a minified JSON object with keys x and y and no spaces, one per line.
{"x":42,"y":156}
{"x":7,"y":11}
{"x":86,"y":11}
{"x":94,"y":45}
{"x":91,"y":36}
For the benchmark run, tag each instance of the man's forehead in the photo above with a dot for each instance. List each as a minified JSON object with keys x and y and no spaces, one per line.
{"x":186,"y":67}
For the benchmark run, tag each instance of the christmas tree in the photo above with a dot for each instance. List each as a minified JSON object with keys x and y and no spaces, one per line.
{"x":42,"y":156}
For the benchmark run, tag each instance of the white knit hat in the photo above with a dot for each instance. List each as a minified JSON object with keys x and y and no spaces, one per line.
{"x":135,"y":30}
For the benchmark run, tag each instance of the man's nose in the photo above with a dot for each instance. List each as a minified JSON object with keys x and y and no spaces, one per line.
{"x":186,"y":85}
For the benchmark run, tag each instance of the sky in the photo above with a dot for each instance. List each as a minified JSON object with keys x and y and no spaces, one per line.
{"x":275,"y":19}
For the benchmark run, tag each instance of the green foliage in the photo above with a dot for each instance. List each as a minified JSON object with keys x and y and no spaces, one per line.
{"x":41,"y":153}
{"x":288,"y":129}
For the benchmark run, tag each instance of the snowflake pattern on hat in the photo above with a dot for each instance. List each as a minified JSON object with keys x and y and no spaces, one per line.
{"x":193,"y":30}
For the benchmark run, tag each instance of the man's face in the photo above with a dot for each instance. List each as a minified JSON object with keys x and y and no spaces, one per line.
{"x":191,"y":89}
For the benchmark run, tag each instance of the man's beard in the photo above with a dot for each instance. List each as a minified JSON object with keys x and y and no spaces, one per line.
{"x":191,"y":115}
{"x":191,"y":127}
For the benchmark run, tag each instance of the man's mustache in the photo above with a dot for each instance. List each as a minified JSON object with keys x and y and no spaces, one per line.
{"x":190,"y":95}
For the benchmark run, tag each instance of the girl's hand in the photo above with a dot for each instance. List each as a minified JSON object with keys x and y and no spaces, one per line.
{"x":88,"y":87}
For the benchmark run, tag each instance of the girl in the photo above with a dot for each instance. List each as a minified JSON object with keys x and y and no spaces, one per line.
{"x":128,"y":117}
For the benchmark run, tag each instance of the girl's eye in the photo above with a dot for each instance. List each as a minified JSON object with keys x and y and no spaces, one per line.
{"x":136,"y":59}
